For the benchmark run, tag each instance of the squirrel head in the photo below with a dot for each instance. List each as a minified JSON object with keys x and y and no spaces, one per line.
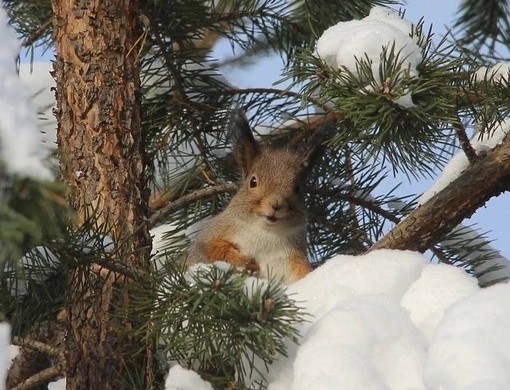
{"x":272,"y":178}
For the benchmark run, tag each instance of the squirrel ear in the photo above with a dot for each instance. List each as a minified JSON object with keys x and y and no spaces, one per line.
{"x":241,"y":137}
{"x":310,"y":151}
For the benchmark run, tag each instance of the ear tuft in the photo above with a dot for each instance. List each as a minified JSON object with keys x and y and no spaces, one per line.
{"x":241,"y":137}
{"x":313,"y":148}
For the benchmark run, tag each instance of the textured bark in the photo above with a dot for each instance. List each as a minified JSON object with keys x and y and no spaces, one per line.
{"x":427,"y":225}
{"x":100,"y":143}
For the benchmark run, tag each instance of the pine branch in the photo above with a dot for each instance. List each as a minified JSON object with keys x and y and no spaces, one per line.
{"x":190,"y":198}
{"x":483,"y":22}
{"x":37,"y":34}
{"x":280,"y":92}
{"x":489,"y":176}
{"x":36,"y":346}
{"x":39,"y":378}
{"x":158,"y":39}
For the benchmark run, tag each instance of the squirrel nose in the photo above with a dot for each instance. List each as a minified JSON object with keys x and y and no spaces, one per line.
{"x":277,"y":204}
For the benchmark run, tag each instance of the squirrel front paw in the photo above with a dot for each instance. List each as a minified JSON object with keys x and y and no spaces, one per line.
{"x":250,"y":265}
{"x":220,"y":249}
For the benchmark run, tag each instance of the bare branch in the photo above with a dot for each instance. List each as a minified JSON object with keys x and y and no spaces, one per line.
{"x":489,"y":176}
{"x":39,"y":378}
{"x":36,"y":346}
{"x":464,"y":141}
{"x":47,"y":374}
{"x":36,"y":34}
{"x":190,"y":198}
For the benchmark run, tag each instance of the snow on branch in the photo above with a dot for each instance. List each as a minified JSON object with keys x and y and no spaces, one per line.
{"x":344,"y":45}
{"x":457,"y":196}
{"x":481,"y":143}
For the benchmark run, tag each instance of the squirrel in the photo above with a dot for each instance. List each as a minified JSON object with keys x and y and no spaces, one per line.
{"x":263,"y":228}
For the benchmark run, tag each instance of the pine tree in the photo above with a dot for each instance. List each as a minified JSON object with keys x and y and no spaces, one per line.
{"x":141,"y":105}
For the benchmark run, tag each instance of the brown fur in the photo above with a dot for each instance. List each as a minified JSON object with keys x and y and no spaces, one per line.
{"x":221,"y":249}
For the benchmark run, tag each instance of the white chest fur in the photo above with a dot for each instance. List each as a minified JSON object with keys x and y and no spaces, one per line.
{"x":270,"y":247}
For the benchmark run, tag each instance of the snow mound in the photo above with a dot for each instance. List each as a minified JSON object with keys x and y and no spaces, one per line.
{"x":386,"y":320}
{"x":392,"y":320}
{"x":470,"y":348}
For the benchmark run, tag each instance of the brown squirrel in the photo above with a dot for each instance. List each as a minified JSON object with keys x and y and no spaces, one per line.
{"x":263,"y":228}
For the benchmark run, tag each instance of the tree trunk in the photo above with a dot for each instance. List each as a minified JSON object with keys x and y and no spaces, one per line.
{"x":102,"y":159}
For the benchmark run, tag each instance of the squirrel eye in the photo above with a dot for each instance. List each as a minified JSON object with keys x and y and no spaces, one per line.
{"x":297,"y":188}
{"x":253,"y":182}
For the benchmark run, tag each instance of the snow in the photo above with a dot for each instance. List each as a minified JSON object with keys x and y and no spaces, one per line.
{"x":495,"y":73}
{"x":57,"y":385}
{"x":470,"y":348}
{"x":343,"y":45}
{"x":20,"y":139}
{"x":360,"y":337}
{"x":392,"y":320}
{"x":181,"y":379}
{"x":459,"y":162}
{"x":5,"y":341}
{"x":437,"y":288}
{"x":384,"y":320}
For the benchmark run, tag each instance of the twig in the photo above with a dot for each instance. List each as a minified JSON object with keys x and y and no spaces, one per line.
{"x":359,"y":202}
{"x":47,"y":374}
{"x":466,"y":97}
{"x":167,"y":55}
{"x":190,"y":198}
{"x":464,"y":141}
{"x":380,"y":211}
{"x":36,"y":346}
{"x":208,"y":179}
{"x":42,"y":376}
{"x":352,"y":206}
{"x":36,"y":34}
{"x":118,"y":268}
{"x":276,"y":91}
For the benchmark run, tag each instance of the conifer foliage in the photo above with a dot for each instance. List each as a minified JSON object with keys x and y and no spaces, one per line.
{"x":141,"y":104}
